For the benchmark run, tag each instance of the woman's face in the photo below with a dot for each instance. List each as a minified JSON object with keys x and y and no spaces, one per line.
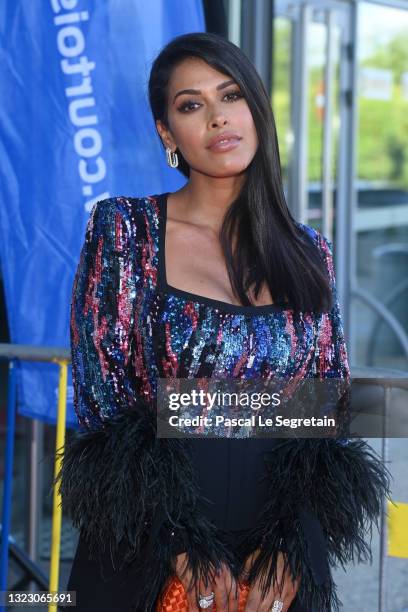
{"x":195,"y":118}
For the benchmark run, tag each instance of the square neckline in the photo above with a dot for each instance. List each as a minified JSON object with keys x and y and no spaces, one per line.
{"x":163,"y":285}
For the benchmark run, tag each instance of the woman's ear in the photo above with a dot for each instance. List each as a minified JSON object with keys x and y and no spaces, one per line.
{"x":164,"y":135}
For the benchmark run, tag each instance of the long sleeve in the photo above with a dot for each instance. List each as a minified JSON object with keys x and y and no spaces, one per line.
{"x":324,"y":493}
{"x":132,"y":495}
{"x":102,"y":316}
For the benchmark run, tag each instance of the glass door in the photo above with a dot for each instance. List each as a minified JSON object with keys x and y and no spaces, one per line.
{"x":312,"y":102}
{"x":380,"y":307}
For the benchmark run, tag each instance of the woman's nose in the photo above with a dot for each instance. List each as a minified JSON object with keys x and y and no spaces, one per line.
{"x":218,"y":118}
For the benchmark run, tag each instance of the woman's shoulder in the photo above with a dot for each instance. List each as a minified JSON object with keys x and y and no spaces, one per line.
{"x":136,"y":212}
{"x":127,"y":205}
{"x":319,"y":239}
{"x":307,"y":229}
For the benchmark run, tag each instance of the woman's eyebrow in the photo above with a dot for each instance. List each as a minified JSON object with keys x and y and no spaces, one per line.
{"x":197,"y":91}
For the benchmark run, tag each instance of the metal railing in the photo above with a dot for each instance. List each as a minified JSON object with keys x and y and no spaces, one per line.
{"x":62,"y":357}
{"x":383,"y":380}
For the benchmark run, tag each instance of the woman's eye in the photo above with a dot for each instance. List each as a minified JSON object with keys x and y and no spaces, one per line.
{"x":238,"y":94}
{"x":184,"y":108}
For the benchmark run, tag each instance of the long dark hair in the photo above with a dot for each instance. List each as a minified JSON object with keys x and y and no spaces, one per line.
{"x":271,"y":246}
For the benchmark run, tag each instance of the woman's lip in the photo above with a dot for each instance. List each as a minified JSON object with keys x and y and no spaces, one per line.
{"x":230,"y":143}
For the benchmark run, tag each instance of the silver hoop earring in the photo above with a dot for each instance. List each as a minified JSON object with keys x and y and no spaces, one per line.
{"x":172,"y":158}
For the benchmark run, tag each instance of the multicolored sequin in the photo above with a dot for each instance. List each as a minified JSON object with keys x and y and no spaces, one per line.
{"x":126,"y":331}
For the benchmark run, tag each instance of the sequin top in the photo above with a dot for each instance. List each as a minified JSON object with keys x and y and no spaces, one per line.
{"x":129,"y":326}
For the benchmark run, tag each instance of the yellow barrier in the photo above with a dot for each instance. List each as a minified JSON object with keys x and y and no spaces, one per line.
{"x":397,"y":520}
{"x":56,"y":503}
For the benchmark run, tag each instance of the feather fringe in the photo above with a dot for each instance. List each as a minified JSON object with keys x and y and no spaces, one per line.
{"x":134,"y":496}
{"x":324,"y":497}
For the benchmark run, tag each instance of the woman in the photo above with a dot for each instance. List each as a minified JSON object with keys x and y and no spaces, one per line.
{"x":214,"y":280}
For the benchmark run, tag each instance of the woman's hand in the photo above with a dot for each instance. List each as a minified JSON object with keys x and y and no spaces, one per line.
{"x":224,"y":586}
{"x":286,"y":595}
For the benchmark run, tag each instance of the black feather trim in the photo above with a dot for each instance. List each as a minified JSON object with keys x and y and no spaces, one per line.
{"x":121,"y":484}
{"x":324,"y":496}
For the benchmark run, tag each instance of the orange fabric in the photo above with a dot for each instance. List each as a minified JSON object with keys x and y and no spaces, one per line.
{"x":175,"y":599}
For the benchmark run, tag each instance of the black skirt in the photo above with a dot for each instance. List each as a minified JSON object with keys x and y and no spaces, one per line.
{"x":114,"y":590}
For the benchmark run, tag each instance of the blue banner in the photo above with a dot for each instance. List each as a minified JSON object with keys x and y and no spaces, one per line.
{"x":75,"y":127}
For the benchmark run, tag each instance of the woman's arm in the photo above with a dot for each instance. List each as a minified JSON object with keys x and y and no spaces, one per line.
{"x":331,"y":358}
{"x":106,"y":464}
{"x":119,"y":483}
{"x":324,"y":493}
{"x":102,"y":317}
